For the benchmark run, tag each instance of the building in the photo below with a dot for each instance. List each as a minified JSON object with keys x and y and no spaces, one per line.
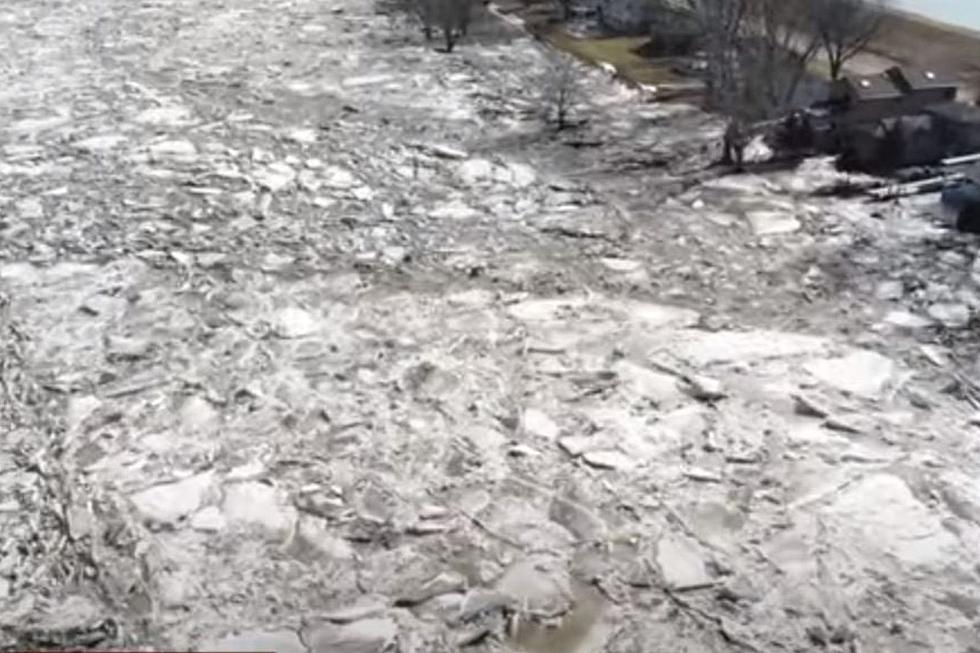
{"x":894,"y":93}
{"x":870,"y":98}
{"x":899,"y":118}
{"x":923,"y":86}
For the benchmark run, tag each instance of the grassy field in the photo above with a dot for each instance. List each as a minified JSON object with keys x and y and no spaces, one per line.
{"x":618,"y":51}
{"x":920,"y":42}
{"x":905,"y":38}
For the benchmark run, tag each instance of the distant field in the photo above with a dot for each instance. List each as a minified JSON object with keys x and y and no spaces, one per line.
{"x":913,"y":40}
{"x":617,"y":51}
{"x":965,"y":13}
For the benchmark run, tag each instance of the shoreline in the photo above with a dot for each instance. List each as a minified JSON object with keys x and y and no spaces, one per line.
{"x":906,"y":39}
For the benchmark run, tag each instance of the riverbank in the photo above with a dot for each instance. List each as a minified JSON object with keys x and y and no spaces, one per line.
{"x":624,"y":54}
{"x":906,"y":39}
{"x":608,"y":51}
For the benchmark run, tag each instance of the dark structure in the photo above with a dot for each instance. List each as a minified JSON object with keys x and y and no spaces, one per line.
{"x":957,"y":126}
{"x":895,"y":93}
{"x":863,"y":99}
{"x":673,"y":33}
{"x":964,"y":200}
{"x":625,"y":17}
{"x":899,"y":118}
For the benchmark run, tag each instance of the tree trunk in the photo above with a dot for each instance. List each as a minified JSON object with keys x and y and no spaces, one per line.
{"x":835,"y":59}
{"x":794,"y":83}
{"x":735,"y":142}
{"x":836,"y":65}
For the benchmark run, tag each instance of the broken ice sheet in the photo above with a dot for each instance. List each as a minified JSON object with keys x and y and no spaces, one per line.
{"x":682,"y":563}
{"x":177,"y":231}
{"x":293,"y":322}
{"x":863,"y":373}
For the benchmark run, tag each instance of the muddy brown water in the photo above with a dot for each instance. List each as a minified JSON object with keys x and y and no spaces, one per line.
{"x":582,"y":629}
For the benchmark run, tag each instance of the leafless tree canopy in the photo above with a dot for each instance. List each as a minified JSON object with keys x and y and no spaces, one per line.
{"x":781,"y":42}
{"x":721,"y":23}
{"x":565,"y":6}
{"x":846,"y":27}
{"x":560,"y":88}
{"x":451,"y":17}
{"x":758,"y":51}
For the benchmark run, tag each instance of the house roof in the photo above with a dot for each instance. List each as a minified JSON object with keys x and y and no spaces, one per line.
{"x":872,"y":87}
{"x":913,"y":79}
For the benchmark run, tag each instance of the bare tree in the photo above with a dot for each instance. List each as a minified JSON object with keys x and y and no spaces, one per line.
{"x":561,"y":89}
{"x":452,"y":17}
{"x":425,"y":10}
{"x":846,"y":27}
{"x":566,"y":8}
{"x":464,"y":16}
{"x":735,"y":141}
{"x":422,"y":11}
{"x":780,"y":42}
{"x":721,"y":23}
{"x":757,"y":54}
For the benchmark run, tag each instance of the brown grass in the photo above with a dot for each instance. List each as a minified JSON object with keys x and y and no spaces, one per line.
{"x":916,"y":41}
{"x":620,"y":52}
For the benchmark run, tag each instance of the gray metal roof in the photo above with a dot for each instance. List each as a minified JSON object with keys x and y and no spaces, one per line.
{"x":917,"y":79}
{"x":873,"y":87}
